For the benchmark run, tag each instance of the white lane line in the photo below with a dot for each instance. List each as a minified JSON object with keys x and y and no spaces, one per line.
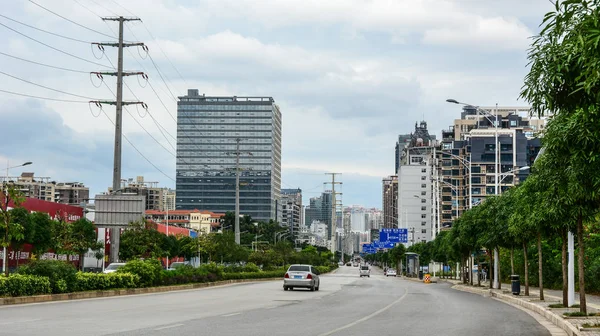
{"x":366,"y":317}
{"x":233,"y":314}
{"x":170,"y":326}
{"x":21,"y":321}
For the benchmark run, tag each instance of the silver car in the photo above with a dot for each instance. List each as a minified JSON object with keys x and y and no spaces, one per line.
{"x":301,"y":276}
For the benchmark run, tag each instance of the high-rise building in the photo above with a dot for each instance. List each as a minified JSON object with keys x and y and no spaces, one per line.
{"x":291,"y":208}
{"x":403,"y":141}
{"x":415,"y":192}
{"x":390,"y":201}
{"x":469,"y":146}
{"x":319,"y":209}
{"x":208,"y":132}
{"x":44,"y":188}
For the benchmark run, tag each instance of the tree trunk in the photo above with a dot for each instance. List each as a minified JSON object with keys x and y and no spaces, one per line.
{"x":526,"y":269}
{"x":470,"y":270}
{"x":540,"y":259}
{"x":491,"y":270}
{"x":512,"y":261}
{"x":81,"y":258}
{"x":478,"y":274}
{"x":580,"y":262}
{"x":565,"y":275}
{"x":499,"y":273}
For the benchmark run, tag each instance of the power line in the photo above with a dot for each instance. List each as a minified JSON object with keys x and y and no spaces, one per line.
{"x":42,"y":64}
{"x":139,"y":152}
{"x":45,"y":31}
{"x":106,"y":9}
{"x":44,"y":98}
{"x":51,"y":47}
{"x":73,"y":22}
{"x":127,"y":10}
{"x":46,"y":87}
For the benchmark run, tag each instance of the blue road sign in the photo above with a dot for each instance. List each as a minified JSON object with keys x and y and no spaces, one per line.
{"x":394,"y":235}
{"x":383,"y":244}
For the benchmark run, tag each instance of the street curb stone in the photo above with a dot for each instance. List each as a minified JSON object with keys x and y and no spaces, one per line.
{"x":119,"y":292}
{"x":546,"y":313}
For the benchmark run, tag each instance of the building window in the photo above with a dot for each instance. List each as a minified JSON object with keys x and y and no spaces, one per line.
{"x":423,"y":193}
{"x":423,"y":185}
{"x":423,"y":230}
{"x":423,"y":223}
{"x":424,"y":216}
{"x":423,"y":200}
{"x":423,"y":208}
{"x":423,"y":177}
{"x":424,"y":170}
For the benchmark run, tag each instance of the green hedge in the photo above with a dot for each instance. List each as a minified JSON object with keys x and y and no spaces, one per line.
{"x":100,"y":281}
{"x":149,"y":271}
{"x":62,"y":275}
{"x":254,"y":275}
{"x":21,"y":285}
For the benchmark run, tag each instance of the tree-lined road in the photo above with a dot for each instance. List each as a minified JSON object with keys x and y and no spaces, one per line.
{"x":345,"y":305}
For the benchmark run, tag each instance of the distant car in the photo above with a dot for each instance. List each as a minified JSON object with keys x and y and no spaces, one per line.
{"x":365,"y":271}
{"x":302,"y":276}
{"x":390,"y":272}
{"x":355,"y":264}
{"x":113,"y":267}
{"x":348,"y":264}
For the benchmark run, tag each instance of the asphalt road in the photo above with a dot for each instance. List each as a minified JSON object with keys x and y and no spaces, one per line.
{"x":345,"y":305}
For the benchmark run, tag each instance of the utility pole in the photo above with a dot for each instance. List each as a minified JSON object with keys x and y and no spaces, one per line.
{"x":237,"y":154}
{"x":115,"y":232}
{"x":333,"y":211}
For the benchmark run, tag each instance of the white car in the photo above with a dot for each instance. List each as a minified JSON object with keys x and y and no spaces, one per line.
{"x":113,"y":267}
{"x":390,"y":272}
{"x":365,"y":271}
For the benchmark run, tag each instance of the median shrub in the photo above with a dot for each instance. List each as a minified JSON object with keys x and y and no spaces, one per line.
{"x":254,"y":275}
{"x":62,"y":275}
{"x":149,"y":271}
{"x":100,"y":281}
{"x":22,"y":285}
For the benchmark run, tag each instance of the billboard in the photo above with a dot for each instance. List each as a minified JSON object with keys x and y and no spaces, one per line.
{"x":394,"y":235}
{"x":119,"y":210}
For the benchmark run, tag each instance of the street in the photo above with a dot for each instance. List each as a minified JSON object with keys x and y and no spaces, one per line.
{"x":345,"y":305}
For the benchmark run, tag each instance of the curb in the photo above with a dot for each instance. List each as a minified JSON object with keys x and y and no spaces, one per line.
{"x":550,"y":316}
{"x":120,"y":292}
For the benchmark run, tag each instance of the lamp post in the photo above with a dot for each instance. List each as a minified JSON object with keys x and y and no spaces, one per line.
{"x":4,"y":251}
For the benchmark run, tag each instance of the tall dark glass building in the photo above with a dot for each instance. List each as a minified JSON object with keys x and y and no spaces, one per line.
{"x":207,"y":131}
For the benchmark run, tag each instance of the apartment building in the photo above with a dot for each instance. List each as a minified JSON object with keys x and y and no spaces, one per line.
{"x":44,"y":188}
{"x":157,"y":198}
{"x":198,"y":220}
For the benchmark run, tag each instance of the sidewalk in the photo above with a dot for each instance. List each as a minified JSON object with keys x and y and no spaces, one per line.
{"x":571,"y":325}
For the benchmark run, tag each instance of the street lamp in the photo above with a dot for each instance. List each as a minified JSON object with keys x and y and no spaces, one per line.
{"x":8,"y":167}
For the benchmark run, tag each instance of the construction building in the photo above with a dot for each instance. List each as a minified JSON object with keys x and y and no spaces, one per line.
{"x":157,"y":197}
{"x":390,"y":201}
{"x":291,"y":208}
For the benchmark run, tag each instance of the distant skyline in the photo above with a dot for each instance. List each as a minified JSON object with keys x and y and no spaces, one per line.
{"x":349,"y":77}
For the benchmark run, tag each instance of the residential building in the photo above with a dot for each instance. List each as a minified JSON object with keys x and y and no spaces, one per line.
{"x":169,"y":199}
{"x":415,"y":188}
{"x":390,"y":201}
{"x":291,"y":210}
{"x":43,"y":188}
{"x":403,"y":141}
{"x":155,"y":196}
{"x":209,"y":132}
{"x":466,"y":157}
{"x":198,"y":220}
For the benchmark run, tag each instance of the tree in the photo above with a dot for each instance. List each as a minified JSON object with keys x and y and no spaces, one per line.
{"x":564,"y":80}
{"x":21,"y":216}
{"x":11,"y":231}
{"x":82,"y":235}
{"x":43,"y":227}
{"x":141,"y":240}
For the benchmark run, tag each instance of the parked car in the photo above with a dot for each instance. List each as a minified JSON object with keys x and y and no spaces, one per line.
{"x":113,"y":267}
{"x":348,"y":264}
{"x":365,"y":271}
{"x":176,"y":265}
{"x":301,"y":276}
{"x":390,"y":272}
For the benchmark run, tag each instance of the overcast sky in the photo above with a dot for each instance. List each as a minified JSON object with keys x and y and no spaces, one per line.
{"x":349,"y":76}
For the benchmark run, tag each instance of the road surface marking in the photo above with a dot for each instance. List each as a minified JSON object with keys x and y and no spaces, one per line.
{"x":233,"y":314}
{"x":21,"y":321}
{"x":170,"y":326}
{"x":366,"y":317}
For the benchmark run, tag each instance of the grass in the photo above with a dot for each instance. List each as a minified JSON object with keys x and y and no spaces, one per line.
{"x":576,"y":306}
{"x":574,"y":314}
{"x":587,"y":325}
{"x":556,"y":305}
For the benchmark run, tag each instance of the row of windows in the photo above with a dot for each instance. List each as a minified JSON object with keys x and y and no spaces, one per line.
{"x":245,"y":173}
{"x":226,"y":147}
{"x":242,"y":127}
{"x":244,"y":108}
{"x":226,"y":160}
{"x":231,"y":194}
{"x":218,"y":133}
{"x":220,"y":180}
{"x":191,"y":123}
{"x":192,"y":153}
{"x":215,"y":141}
{"x":203,"y":167}
{"x":219,"y":206}
{"x":221,"y":187}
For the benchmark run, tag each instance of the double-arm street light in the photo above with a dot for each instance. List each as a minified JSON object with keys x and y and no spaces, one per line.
{"x":8,"y":167}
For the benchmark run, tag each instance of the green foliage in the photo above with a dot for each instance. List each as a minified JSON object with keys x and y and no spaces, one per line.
{"x":100,"y":281}
{"x":142,"y":240}
{"x":254,"y":275}
{"x":22,"y":285}
{"x":62,"y":275}
{"x":149,"y":271}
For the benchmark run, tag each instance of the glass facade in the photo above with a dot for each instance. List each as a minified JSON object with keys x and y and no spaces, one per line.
{"x":207,"y":130}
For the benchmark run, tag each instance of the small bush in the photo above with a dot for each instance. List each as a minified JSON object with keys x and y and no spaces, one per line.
{"x":212,"y":268}
{"x":575,"y":314}
{"x":100,"y":281}
{"x":254,"y":275}
{"x":22,"y":285}
{"x":62,"y":275}
{"x":324,"y":269}
{"x":251,"y":267}
{"x":556,"y":305}
{"x":150,"y":271}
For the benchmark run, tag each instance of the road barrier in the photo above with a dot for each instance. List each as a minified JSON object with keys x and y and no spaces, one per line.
{"x":427,"y":278}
